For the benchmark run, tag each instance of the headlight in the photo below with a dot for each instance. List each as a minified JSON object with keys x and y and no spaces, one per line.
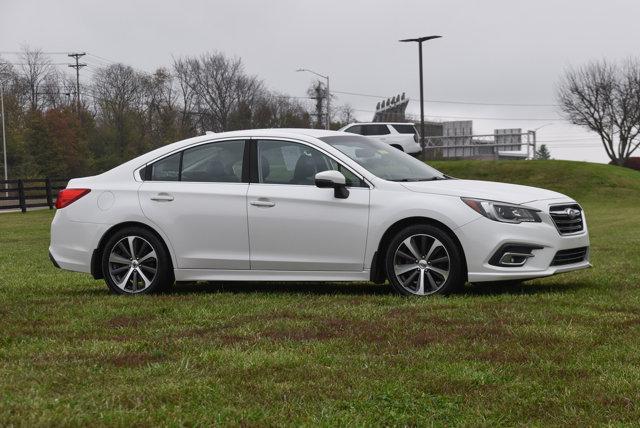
{"x":500,"y":211}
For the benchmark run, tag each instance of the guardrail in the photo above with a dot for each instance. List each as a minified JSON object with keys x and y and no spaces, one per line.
{"x":30,"y":193}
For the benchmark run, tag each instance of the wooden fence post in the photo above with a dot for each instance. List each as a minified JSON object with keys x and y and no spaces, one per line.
{"x":47,"y":183}
{"x":21,"y":198}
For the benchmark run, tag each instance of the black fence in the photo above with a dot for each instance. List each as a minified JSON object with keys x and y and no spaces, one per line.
{"x":31,"y":193}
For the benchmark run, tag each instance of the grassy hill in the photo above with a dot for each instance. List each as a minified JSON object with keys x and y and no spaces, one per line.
{"x":555,"y":351}
{"x":580,"y":180}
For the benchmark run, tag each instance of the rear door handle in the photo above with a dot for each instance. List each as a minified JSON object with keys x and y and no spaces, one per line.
{"x":162,"y":197}
{"x":263,"y":203}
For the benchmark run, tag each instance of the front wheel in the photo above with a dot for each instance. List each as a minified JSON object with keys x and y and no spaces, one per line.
{"x":423,"y":260}
{"x":134,"y":261}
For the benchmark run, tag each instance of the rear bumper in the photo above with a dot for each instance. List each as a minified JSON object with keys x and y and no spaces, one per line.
{"x":55,"y":263}
{"x":72,"y":242}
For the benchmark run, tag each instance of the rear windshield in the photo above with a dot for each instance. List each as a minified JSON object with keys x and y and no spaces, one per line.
{"x":405,"y":129}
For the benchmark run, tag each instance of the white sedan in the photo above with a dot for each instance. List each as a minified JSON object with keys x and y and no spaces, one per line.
{"x":307,"y":205}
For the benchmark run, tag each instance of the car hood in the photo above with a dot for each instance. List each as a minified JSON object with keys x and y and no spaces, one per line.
{"x":512,"y":193}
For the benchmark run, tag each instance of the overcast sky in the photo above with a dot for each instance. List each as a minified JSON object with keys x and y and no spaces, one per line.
{"x":492,"y":51}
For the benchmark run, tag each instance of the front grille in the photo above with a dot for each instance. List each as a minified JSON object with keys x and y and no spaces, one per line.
{"x":567,"y":257}
{"x":567,"y":218}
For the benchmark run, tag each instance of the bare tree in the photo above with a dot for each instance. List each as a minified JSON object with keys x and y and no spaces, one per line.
{"x":35,"y":69}
{"x":118,"y":92}
{"x":346,"y":114}
{"x":217,"y":87}
{"x":605,"y":98}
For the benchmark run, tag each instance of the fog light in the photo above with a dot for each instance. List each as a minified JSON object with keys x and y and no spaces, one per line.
{"x":513,"y":255}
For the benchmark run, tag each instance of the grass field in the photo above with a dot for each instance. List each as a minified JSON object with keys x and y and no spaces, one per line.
{"x":563,"y":350}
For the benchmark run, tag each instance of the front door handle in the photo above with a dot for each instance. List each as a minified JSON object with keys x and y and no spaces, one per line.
{"x":162,"y":197}
{"x":263,"y":203}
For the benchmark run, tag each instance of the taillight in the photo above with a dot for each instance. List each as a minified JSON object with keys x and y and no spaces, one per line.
{"x":69,"y":196}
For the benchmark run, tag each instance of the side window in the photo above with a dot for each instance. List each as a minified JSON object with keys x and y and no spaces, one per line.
{"x":167,"y":169}
{"x":356,"y":129}
{"x":284,"y":162}
{"x":214,"y":162}
{"x":375,"y":130}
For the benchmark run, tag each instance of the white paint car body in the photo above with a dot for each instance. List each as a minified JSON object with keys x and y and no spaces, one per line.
{"x":401,"y":135}
{"x":291,"y":232}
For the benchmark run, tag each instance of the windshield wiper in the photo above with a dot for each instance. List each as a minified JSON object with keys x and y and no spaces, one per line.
{"x":406,"y":180}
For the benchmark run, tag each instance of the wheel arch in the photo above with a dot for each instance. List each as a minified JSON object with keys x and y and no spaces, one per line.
{"x":96,"y":257}
{"x":378,"y":271}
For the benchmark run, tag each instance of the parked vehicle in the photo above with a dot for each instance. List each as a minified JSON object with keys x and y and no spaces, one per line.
{"x":307,"y":205}
{"x":401,"y":135}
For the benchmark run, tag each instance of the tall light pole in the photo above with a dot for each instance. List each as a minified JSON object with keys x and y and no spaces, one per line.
{"x":4,"y":138}
{"x":420,"y":40}
{"x":534,"y":132}
{"x":328,"y":121}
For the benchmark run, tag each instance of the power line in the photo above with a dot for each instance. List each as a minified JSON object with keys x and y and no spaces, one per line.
{"x":42,"y":52}
{"x":453,"y":102}
{"x":483,"y":118}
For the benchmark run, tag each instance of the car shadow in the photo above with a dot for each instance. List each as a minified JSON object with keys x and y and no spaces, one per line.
{"x":365,"y":288}
{"x":524,"y":288}
{"x":345,"y":288}
{"x":319,"y":288}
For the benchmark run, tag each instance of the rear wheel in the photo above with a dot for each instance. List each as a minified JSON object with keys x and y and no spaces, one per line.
{"x":134,"y":261}
{"x":423,"y":260}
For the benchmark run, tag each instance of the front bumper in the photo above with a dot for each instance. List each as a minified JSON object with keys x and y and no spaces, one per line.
{"x":482,"y":238}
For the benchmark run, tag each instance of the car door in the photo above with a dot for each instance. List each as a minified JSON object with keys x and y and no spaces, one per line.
{"x":296,"y":226}
{"x":199,"y":199}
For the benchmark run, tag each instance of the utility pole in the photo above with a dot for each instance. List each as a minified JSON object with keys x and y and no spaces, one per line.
{"x":77,"y":66}
{"x":420,"y":40}
{"x":328,"y":95}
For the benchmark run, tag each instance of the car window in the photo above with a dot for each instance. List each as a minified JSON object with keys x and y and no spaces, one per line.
{"x":357,"y":129}
{"x":167,"y":169}
{"x":284,"y":162}
{"x":375,"y":130}
{"x":405,"y":129}
{"x":219,"y":162}
{"x":383,"y":161}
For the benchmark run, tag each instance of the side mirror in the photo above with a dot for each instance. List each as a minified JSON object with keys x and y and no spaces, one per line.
{"x":335,"y":180}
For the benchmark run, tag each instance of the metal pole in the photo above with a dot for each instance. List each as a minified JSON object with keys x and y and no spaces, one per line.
{"x":328,"y":105}
{"x":534,"y":143}
{"x":422,"y":142}
{"x":4,"y":140}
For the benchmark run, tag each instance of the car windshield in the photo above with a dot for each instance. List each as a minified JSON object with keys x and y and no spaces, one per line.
{"x":383,"y":160}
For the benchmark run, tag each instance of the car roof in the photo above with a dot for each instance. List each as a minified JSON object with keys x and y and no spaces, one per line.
{"x":275,"y":132}
{"x":381,"y":123}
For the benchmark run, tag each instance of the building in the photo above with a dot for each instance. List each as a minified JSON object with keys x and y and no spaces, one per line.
{"x":455,"y":139}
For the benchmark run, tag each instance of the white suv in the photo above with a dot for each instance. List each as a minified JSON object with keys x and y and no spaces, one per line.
{"x":307,"y":205}
{"x":401,"y":135}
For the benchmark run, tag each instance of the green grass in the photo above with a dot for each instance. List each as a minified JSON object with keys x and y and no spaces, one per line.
{"x":557,"y":351}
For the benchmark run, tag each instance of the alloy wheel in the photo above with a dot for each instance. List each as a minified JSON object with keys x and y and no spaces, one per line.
{"x":133,"y":264}
{"x":421,"y":264}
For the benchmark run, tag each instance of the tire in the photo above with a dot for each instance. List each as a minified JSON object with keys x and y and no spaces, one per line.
{"x":442,"y":270}
{"x":396,"y":146}
{"x":149,"y":271}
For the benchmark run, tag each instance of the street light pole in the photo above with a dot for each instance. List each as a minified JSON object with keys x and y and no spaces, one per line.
{"x":420,"y":40}
{"x":4,"y":138}
{"x":534,"y":133}
{"x":328,"y":121}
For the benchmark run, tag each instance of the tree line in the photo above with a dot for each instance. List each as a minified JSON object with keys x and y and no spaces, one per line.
{"x":124,"y":112}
